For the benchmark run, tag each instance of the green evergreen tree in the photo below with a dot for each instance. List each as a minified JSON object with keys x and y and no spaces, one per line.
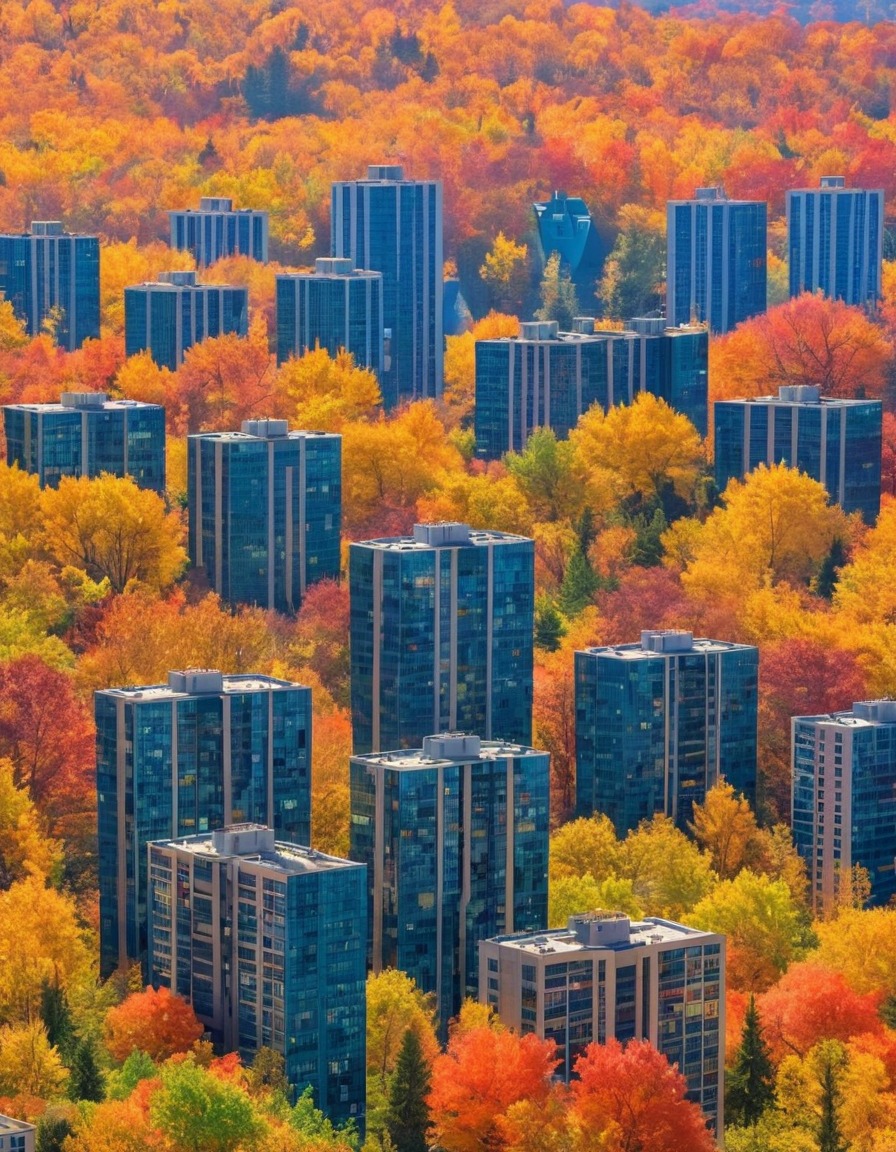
{"x":826,"y":579}
{"x":632,"y":283}
{"x":558,"y":295}
{"x":268,"y":1074}
{"x":407,"y":1119}
{"x":751,"y":1083}
{"x":549,"y":626}
{"x":57,"y":1019}
{"x":831,"y":1057}
{"x":85,"y":1079}
{"x":579,"y":584}
{"x":52,"y":1130}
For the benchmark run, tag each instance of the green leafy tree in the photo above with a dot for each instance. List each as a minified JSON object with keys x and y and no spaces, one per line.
{"x":268,"y":1074}
{"x":548,"y":475}
{"x":549,"y":626}
{"x":122,"y":1081}
{"x":197,"y":1112}
{"x":750,"y":1088}
{"x":580,"y":582}
{"x":558,"y":295}
{"x":408,"y":1119}
{"x":632,"y":283}
{"x":85,"y":1078}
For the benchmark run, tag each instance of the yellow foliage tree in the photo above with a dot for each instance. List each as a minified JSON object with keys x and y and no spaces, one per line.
{"x":460,"y":361}
{"x":25,"y":849}
{"x":506,"y":270}
{"x":866,"y":590}
{"x":725,"y":827}
{"x":111,"y":529}
{"x":29,"y":1065}
{"x":324,"y":392}
{"x":20,"y":518}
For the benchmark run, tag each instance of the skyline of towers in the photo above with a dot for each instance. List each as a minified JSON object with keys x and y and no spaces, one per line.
{"x":265,"y":511}
{"x":659,"y":722}
{"x":202,"y":751}
{"x":441,"y":636}
{"x":388,"y":224}
{"x":86,"y":434}
{"x":844,"y":800}
{"x":267,"y":940}
{"x":335,"y":306}
{"x":47,"y":273}
{"x":166,"y":317}
{"x":216,"y":230}
{"x":835,"y":239}
{"x":837,"y":442}
{"x":716,"y":260}
{"x":455,"y":838}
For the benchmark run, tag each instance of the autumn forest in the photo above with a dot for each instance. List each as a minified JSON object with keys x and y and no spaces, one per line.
{"x":113,"y":112}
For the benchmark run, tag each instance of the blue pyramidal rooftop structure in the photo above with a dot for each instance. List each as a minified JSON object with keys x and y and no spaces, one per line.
{"x":565,"y":226}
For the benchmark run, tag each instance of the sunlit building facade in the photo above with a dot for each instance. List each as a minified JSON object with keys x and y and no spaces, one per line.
{"x":658,"y":723}
{"x":86,"y":434}
{"x":441,"y":636}
{"x":268,"y":942}
{"x":216,"y":229}
{"x":198,"y":753}
{"x":455,"y":839}
{"x":265,"y":511}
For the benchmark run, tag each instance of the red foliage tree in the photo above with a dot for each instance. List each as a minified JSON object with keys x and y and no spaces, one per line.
{"x":810,"y":1003}
{"x":648,"y":598}
{"x":635,"y":1096}
{"x":322,"y":635}
{"x":888,"y":455}
{"x":480,"y":1075}
{"x":155,"y":1022}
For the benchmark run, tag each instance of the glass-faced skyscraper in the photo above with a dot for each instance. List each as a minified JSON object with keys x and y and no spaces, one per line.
{"x":455,"y":839}
{"x":844,"y":799}
{"x":394,"y":226}
{"x":441,"y":636}
{"x":170,"y":316}
{"x":716,"y":265}
{"x":47,"y":269}
{"x":835,"y":239}
{"x":265,"y":510}
{"x":335,"y":306}
{"x":85,"y":434}
{"x":606,"y":977}
{"x":268,"y":941}
{"x":192,"y":755}
{"x":660,"y":722}
{"x":217,"y":229}
{"x":836,"y":442}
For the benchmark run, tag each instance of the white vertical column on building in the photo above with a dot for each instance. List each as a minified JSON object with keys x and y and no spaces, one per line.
{"x":426,"y":199}
{"x":537,"y":349}
{"x":379,"y":850}
{"x":288,"y":488}
{"x":823,"y":452}
{"x":745,"y":445}
{"x":525,"y":350}
{"x":122,"y":825}
{"x":269,"y":543}
{"x":376,"y":708}
{"x":438,"y":262}
{"x":511,"y":381}
{"x":489,"y":636}
{"x":272,"y":812}
{"x":611,"y":380}
{"x":440,"y":868}
{"x":770,"y":434}
{"x":85,"y":444}
{"x":196,"y":519}
{"x":227,"y":759}
{"x":794,"y":435}
{"x":303,"y":515}
{"x":34,"y":246}
{"x":546,"y":388}
{"x":843,"y":413}
{"x":219,"y":519}
{"x":578,"y":379}
{"x":71,"y":310}
{"x":466,"y":772}
{"x":670,"y":722}
{"x":346,"y":283}
{"x":452,"y":647}
{"x":724,"y":270}
{"x":510,"y":824}
{"x":436,"y":638}
{"x":175,"y":767}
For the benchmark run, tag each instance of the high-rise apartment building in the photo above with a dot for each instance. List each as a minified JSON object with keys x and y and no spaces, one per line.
{"x":335,"y":306}
{"x":837,"y":442}
{"x":716,"y":264}
{"x":171,"y":315}
{"x":545,"y":378}
{"x":49,"y":275}
{"x":835,"y":239}
{"x":85,"y":434}
{"x":195,"y":754}
{"x":455,"y":839}
{"x":605,"y":977}
{"x":660,"y":722}
{"x":844,"y":799}
{"x":394,"y":226}
{"x":441,"y":636}
{"x":268,"y":941}
{"x":218,"y":229}
{"x":265,"y":511}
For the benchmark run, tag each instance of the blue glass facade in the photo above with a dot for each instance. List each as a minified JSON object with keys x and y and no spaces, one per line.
{"x":837,"y":442}
{"x":844,"y":799}
{"x":605,"y":977}
{"x":394,"y":226}
{"x":268,"y":941}
{"x":835,"y":241}
{"x":546,"y":379}
{"x":49,"y":269}
{"x":196,"y":754}
{"x":564,"y":226}
{"x":455,"y":839}
{"x":171,"y":316}
{"x":86,"y":434}
{"x":660,"y":722}
{"x":217,"y":230}
{"x":333,"y":308}
{"x":441,"y":636}
{"x":265,"y":511}
{"x":716,"y":268}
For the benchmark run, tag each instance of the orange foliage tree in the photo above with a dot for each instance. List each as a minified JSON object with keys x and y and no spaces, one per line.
{"x":636,"y":1099}
{"x":481,"y":1074}
{"x":154,"y":1022}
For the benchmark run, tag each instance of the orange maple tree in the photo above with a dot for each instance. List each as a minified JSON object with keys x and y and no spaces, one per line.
{"x":155,"y":1022}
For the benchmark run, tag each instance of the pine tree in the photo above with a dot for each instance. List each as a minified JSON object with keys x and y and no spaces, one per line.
{"x":407,"y":1118}
{"x":831,"y":1058}
{"x":86,"y":1079}
{"x":558,"y":295}
{"x":751,"y":1082}
{"x":579,"y":584}
{"x":57,"y":1019}
{"x":549,"y":626}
